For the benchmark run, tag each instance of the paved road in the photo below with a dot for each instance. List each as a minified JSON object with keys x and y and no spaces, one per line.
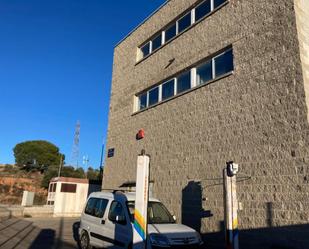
{"x":37,"y":233}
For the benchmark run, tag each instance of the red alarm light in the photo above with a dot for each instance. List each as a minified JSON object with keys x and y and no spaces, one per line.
{"x":140,"y":134}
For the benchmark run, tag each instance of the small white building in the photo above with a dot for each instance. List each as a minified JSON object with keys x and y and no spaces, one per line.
{"x":68,"y":195}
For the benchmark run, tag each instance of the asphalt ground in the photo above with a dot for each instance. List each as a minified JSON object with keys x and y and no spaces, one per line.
{"x":39,"y":233}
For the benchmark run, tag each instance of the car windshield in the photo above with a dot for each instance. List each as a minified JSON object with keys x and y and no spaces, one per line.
{"x":157,"y":213}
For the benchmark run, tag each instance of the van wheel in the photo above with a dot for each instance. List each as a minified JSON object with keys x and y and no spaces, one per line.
{"x":84,"y":242}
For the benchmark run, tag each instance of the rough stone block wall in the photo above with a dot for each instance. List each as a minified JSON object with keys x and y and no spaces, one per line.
{"x":256,"y":116}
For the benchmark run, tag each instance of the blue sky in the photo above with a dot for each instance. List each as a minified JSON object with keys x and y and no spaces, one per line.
{"x":55,"y":68}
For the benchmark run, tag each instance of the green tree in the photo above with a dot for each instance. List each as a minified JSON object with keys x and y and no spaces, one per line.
{"x":50,"y":173}
{"x":93,"y":174}
{"x":37,"y":155}
{"x":66,"y":171}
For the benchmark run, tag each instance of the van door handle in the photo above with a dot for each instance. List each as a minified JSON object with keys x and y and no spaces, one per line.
{"x":102,"y":222}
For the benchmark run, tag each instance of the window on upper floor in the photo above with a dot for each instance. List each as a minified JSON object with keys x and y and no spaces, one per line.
{"x":145,"y":49}
{"x":168,"y":89}
{"x":153,"y":96}
{"x":143,"y":101}
{"x":170,"y":33}
{"x":176,"y":27}
{"x":202,"y":10}
{"x":218,"y":3}
{"x":156,"y":42}
{"x":183,"y":82}
{"x":205,"y":72}
{"x":223,"y":63}
{"x":184,"y":23}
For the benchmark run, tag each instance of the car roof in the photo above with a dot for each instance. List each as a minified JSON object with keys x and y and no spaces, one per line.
{"x":124,"y":196}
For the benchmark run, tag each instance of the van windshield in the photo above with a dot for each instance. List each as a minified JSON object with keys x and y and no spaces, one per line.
{"x":157,"y":213}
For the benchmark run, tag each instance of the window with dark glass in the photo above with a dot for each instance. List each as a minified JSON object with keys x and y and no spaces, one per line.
{"x":54,"y":187}
{"x":153,"y":96}
{"x":157,"y":42}
{"x":143,"y":101}
{"x":100,"y":207}
{"x":184,"y":82}
{"x":202,"y":10}
{"x":184,"y":22}
{"x":68,"y":188}
{"x":146,"y":49}
{"x":168,"y":89}
{"x":224,"y":63}
{"x":217,"y":3}
{"x":90,"y":206}
{"x":170,"y":32}
{"x":115,"y":210}
{"x":204,"y":73}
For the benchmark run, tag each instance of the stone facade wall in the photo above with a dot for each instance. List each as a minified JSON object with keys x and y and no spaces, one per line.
{"x":257,"y":117}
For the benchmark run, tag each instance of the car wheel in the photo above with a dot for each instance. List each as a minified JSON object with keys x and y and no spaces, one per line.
{"x":84,"y":242}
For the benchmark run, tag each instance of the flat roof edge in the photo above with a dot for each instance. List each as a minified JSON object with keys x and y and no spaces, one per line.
{"x":145,"y":20}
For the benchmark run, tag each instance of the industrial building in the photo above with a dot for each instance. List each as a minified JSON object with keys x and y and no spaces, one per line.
{"x":206,"y":82}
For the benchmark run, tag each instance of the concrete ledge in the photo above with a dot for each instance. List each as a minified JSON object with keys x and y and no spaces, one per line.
{"x":39,"y":211}
{"x":7,"y":212}
{"x":67,"y":215}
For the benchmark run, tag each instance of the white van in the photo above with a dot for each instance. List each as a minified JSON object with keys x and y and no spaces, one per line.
{"x":107,"y":222}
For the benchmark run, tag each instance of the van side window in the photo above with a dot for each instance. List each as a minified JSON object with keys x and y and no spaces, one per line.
{"x":100,"y":207}
{"x":96,"y":207}
{"x":115,"y":210}
{"x":90,"y":205}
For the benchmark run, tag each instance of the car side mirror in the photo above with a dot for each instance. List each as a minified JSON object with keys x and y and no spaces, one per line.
{"x":121,"y":219}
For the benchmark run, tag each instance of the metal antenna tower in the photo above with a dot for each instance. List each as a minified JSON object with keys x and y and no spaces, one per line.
{"x":75,"y":148}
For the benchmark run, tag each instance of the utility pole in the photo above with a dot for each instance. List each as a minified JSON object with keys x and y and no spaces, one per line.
{"x":231,"y":205}
{"x":60,"y":166}
{"x":86,"y":161}
{"x":101,"y":162}
{"x":102,"y":152}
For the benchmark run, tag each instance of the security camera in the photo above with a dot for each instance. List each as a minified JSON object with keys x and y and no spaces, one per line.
{"x":232,"y":168}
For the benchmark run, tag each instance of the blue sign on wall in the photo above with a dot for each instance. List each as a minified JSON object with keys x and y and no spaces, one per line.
{"x":110,"y":152}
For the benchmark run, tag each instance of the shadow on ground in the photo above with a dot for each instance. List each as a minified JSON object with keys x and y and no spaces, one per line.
{"x":270,"y":237}
{"x":38,"y":233}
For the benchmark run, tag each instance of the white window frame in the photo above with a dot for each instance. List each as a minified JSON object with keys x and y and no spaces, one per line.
{"x":212,"y":5}
{"x":163,"y":37}
{"x":213,"y":64}
{"x":193,"y":77}
{"x":147,"y":101}
{"x":175,"y":86}
{"x":160,"y":93}
{"x":192,"y":16}
{"x":150,"y":47}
